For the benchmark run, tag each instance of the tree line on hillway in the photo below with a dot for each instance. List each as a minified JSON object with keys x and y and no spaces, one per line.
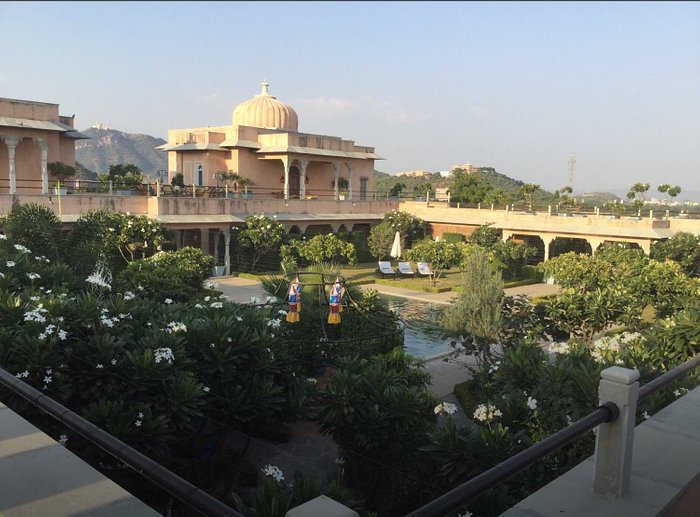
{"x":129,"y":337}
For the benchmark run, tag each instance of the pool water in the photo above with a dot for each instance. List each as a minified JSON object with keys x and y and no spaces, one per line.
{"x":422,"y":334}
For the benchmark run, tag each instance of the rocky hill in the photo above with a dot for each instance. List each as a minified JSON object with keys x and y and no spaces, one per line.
{"x":111,"y":147}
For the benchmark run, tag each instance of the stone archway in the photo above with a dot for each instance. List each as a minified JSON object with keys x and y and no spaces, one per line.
{"x":562,"y":245}
{"x":534,"y":241}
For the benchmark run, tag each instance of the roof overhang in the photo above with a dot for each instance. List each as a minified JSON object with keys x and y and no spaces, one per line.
{"x":314,"y":151}
{"x":191,"y":147}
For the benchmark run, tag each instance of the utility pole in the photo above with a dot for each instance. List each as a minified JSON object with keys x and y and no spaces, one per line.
{"x":572,"y":167}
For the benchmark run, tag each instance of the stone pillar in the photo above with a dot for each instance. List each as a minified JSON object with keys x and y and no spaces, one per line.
{"x":11,"y":142}
{"x":347,"y":164}
{"x":44,"y":148}
{"x":204,"y":240}
{"x":302,"y":178}
{"x":227,"y":254}
{"x":336,"y":169}
{"x":646,"y":247}
{"x":287,"y":165}
{"x":547,"y":244}
{"x":216,"y":248}
{"x":595,"y":244}
{"x":613,"y":446}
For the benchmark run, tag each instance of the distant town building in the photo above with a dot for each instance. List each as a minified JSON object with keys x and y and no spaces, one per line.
{"x":264,"y":145}
{"x":415,"y":174}
{"x":467,"y":167}
{"x":33,"y":134}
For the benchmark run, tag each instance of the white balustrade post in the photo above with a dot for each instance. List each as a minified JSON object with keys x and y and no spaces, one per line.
{"x":613,"y":446}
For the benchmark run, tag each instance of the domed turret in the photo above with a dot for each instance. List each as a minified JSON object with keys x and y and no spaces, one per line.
{"x":264,"y":110}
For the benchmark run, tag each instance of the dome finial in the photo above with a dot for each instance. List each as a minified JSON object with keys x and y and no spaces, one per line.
{"x":265,"y":85}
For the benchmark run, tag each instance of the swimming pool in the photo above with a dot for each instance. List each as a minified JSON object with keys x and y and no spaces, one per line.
{"x":422,"y":334}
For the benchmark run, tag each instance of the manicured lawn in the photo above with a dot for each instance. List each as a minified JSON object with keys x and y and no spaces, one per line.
{"x":367,"y":273}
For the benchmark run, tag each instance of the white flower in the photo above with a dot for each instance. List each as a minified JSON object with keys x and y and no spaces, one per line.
{"x":559,"y":348}
{"x":140,"y":415}
{"x":271,"y":299}
{"x":10,"y":263}
{"x":99,"y":366}
{"x":176,"y":326}
{"x":24,"y":374}
{"x":34,"y":298}
{"x":312,"y":380}
{"x":22,"y":249}
{"x":62,"y":334}
{"x":114,"y":362}
{"x":163,"y":354}
{"x":63,"y":439}
{"x":282,"y":312}
{"x":33,"y":276}
{"x":494,"y":367}
{"x":217,"y":305}
{"x":47,"y":379}
{"x":274,"y":323}
{"x":140,"y":288}
{"x":486,"y":412}
{"x":206,"y":389}
{"x":211,"y":285}
{"x":167,"y":301}
{"x":137,"y":423}
{"x":532,"y":403}
{"x":646,"y":416}
{"x":3,"y":237}
{"x":99,"y":279}
{"x":272,"y":471}
{"x":238,"y":318}
{"x":129,"y":295}
{"x":207,"y":298}
{"x":445,"y":408}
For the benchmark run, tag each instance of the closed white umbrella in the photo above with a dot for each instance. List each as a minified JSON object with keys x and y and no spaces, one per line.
{"x":396,"y":247}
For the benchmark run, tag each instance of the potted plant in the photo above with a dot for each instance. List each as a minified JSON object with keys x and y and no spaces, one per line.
{"x":218,"y":268}
{"x":233,"y":178}
{"x":61,"y":171}
{"x":343,"y":185}
{"x":178,"y":183}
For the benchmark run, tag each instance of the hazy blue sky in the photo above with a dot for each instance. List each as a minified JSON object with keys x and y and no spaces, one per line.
{"x":515,"y":86}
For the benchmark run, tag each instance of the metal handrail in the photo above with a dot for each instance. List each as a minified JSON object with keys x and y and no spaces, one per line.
{"x":607,"y":412}
{"x":183,"y":490}
{"x":499,"y":473}
{"x":667,"y":378}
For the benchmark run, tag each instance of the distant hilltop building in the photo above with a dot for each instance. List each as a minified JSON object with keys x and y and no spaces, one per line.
{"x":264,"y":144}
{"x":416,"y":174}
{"x":99,"y":125}
{"x":467,"y":167}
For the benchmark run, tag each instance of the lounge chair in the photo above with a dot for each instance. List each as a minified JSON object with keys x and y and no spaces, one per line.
{"x":386,"y":269}
{"x":424,"y":269}
{"x":405,"y":269}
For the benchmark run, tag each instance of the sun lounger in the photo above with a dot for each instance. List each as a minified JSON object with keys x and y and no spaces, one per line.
{"x":386,"y":269}
{"x":424,"y":269}
{"x":405,"y":269}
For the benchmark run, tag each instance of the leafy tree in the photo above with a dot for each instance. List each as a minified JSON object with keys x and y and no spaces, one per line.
{"x":637,"y":194}
{"x":475,"y":318}
{"x":468,"y":188}
{"x":683,"y":247}
{"x":563,"y":196}
{"x":137,"y":236}
{"x":61,"y":171}
{"x":486,"y":235}
{"x":527,"y":191}
{"x":497,"y":196}
{"x":380,"y":240}
{"x":409,"y":226}
{"x":260,"y":236}
{"x":93,"y":239}
{"x":397,"y":189}
{"x":322,"y":248}
{"x":177,"y":275}
{"x":513,"y":256}
{"x":123,"y":176}
{"x":378,"y":411}
{"x":36,"y":227}
{"x":671,"y":190}
{"x":440,"y":255}
{"x":422,"y":189}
